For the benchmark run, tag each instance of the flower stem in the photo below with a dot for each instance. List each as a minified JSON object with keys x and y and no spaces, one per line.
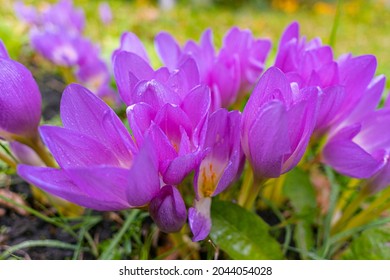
{"x":246,"y":186}
{"x":8,"y":160}
{"x":254,"y":192}
{"x":37,"y":145}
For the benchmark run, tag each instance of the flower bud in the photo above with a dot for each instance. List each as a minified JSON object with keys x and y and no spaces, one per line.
{"x":20,"y":100}
{"x":168,"y":210}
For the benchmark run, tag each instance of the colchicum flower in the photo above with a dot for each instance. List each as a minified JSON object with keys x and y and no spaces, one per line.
{"x":276,"y":124}
{"x":60,"y":39}
{"x":170,"y":108}
{"x":219,"y":168}
{"x":230,"y":74}
{"x":100,"y":166}
{"x":341,"y":83}
{"x":360,"y":146}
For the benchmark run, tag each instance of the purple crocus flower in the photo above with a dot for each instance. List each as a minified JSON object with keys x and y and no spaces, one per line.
{"x":177,"y":128}
{"x":276,"y":124}
{"x":360,"y":146}
{"x":341,"y":83}
{"x":231,"y":73}
{"x":64,"y":17}
{"x":60,"y":48}
{"x":131,"y":69}
{"x":105,"y":13}
{"x":20,"y":100}
{"x":100,"y":166}
{"x":170,"y":107}
{"x":218,"y":169}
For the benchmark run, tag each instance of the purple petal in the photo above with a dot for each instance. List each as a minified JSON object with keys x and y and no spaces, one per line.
{"x":131,"y":43}
{"x":59,"y":183}
{"x":82,"y":111}
{"x":330,"y":100}
{"x":272,"y":85}
{"x":301,"y":122}
{"x":381,"y":179}
{"x":73,"y":149}
{"x":374,"y":134}
{"x":356,"y":74}
{"x":199,"y":219}
{"x":144,"y":178}
{"x":350,"y":159}
{"x":168,"y":50}
{"x":185,"y":78}
{"x":369,"y":101}
{"x":172,"y":119}
{"x":129,"y":69}
{"x":154,"y":93}
{"x":140,"y":116}
{"x":104,"y":182}
{"x":168,"y":210}
{"x":268,"y":140}
{"x":180,"y":167}
{"x":226,"y":76}
{"x":287,"y":48}
{"x":197,"y":104}
{"x":291,"y":32}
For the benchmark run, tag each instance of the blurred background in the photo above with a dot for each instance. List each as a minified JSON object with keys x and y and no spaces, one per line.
{"x":363,"y":26}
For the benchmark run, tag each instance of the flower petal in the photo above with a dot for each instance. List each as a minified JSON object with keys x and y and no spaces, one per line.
{"x":131,"y":43}
{"x":168,"y":50}
{"x":268,"y":140}
{"x":73,"y":149}
{"x":144,"y":183}
{"x":350,"y":159}
{"x":82,"y":111}
{"x":199,"y":219}
{"x":59,"y":183}
{"x":129,"y":69}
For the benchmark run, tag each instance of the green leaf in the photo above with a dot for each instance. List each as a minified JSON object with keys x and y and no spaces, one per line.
{"x":302,"y":196}
{"x":372,"y":244}
{"x":242,"y":234}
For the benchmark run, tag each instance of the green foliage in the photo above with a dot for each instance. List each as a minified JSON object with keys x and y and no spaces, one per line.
{"x":372,"y":244}
{"x":242,"y":234}
{"x":302,"y":196}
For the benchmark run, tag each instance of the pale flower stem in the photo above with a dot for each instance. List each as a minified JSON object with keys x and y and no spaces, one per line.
{"x":254,"y":192}
{"x":246,"y":186}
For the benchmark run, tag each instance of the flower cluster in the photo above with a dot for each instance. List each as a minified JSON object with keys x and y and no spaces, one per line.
{"x":57,"y":34}
{"x":180,"y":123}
